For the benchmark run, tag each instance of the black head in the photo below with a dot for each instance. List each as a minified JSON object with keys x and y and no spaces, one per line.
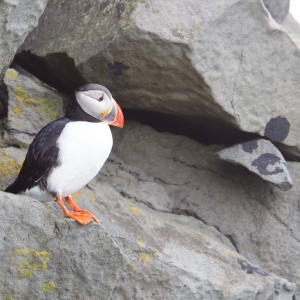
{"x":94,"y":103}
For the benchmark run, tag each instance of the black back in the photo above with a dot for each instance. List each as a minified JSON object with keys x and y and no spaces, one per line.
{"x":41,"y":158}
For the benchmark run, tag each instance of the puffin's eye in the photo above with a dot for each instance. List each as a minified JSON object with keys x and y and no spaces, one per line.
{"x":100,"y":99}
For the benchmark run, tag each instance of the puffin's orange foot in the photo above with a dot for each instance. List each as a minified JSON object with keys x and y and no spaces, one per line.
{"x":76,"y":208}
{"x":81,"y":216}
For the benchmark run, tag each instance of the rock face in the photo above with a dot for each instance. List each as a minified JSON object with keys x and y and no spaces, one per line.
{"x":17,"y":19}
{"x":44,"y":257}
{"x":262,"y":158}
{"x":10,"y":165}
{"x":260,"y":220}
{"x":167,"y":256}
{"x":278,"y":9}
{"x":31,"y":106}
{"x":198,"y":60}
{"x":191,"y":225}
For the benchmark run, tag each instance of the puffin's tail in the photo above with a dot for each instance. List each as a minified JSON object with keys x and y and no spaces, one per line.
{"x":12,"y":188}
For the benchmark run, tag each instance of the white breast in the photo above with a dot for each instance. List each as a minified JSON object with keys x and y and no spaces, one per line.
{"x":83,"y":149}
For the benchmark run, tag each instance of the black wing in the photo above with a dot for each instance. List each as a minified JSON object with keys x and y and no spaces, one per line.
{"x":41,"y":157}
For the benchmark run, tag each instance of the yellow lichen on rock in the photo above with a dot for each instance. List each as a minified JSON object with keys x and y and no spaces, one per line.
{"x":31,"y":261}
{"x":131,"y":267}
{"x":135,"y":210}
{"x":8,"y":167}
{"x":11,"y":74}
{"x":48,"y":108}
{"x":83,"y":194}
{"x":8,"y":295}
{"x":145,"y":258}
{"x":48,"y":287}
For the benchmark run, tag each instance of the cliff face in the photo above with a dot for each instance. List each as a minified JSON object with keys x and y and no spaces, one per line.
{"x":177,"y":222}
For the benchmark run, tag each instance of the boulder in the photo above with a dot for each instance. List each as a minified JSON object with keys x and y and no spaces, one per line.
{"x":31,"y":106}
{"x":18,"y":18}
{"x":202,"y":61}
{"x":278,"y":9}
{"x":262,"y":158}
{"x":46,"y":257}
{"x":260,"y":220}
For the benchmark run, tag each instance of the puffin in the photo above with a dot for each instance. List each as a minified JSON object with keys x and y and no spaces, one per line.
{"x":69,"y":152}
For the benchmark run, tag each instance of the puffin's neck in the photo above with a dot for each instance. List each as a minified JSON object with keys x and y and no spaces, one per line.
{"x":76,"y":113}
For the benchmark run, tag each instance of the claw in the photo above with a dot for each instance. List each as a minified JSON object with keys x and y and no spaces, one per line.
{"x":76,"y":208}
{"x":81,"y":216}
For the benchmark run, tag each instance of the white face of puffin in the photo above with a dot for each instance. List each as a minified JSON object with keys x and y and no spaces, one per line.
{"x":101,"y":106}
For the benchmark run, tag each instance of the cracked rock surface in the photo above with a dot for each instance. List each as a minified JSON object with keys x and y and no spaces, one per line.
{"x":262,"y":158}
{"x":188,"y":58}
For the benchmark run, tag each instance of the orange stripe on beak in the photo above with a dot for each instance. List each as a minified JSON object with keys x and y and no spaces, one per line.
{"x":115,"y":116}
{"x":119,"y":120}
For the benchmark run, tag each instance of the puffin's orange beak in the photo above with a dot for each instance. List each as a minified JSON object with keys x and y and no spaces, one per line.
{"x":115,"y":116}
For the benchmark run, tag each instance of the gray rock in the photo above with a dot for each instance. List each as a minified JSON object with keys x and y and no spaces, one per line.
{"x":190,"y":58}
{"x":170,"y":256}
{"x":46,"y":257}
{"x":17,"y":19}
{"x":262,"y":158}
{"x":11,"y":160}
{"x":31,"y":106}
{"x":278,"y":9}
{"x":260,"y":220}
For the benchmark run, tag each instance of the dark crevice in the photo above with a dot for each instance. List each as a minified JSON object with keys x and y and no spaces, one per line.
{"x":3,"y":100}
{"x":53,"y":69}
{"x":207,"y":131}
{"x":233,"y":242}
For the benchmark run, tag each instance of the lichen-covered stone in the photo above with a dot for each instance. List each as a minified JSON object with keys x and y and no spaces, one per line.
{"x":31,"y":106}
{"x":46,"y":257}
{"x":262,"y":158}
{"x":11,"y":160}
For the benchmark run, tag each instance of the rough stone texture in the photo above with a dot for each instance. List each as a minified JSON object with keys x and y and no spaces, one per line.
{"x":278,"y":9}
{"x":46,"y":257}
{"x":170,"y":256}
{"x":11,"y":160}
{"x":291,"y":26}
{"x":17,"y":19}
{"x":214,"y":60}
{"x":30,"y":107}
{"x":260,"y":219}
{"x":262,"y":158}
